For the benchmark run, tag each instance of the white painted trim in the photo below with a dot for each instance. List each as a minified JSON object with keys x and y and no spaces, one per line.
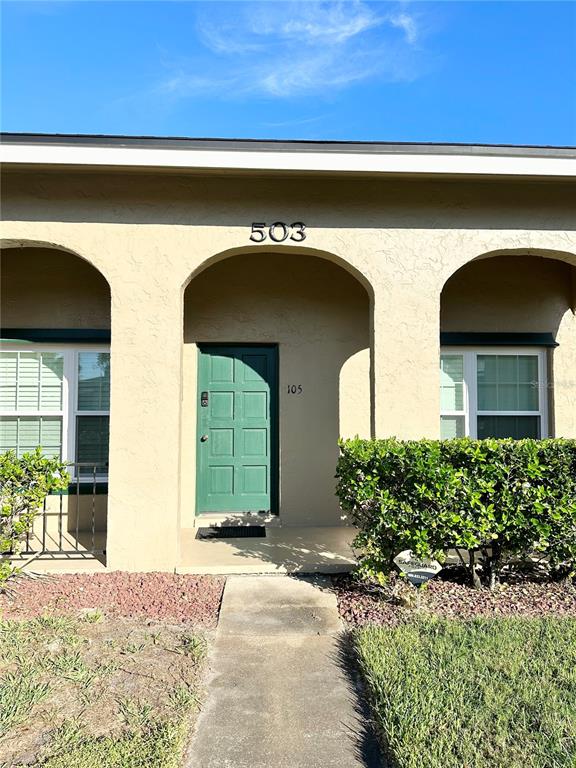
{"x":470,"y":394}
{"x":373,"y":163}
{"x":471,"y":385}
{"x":68,"y":425}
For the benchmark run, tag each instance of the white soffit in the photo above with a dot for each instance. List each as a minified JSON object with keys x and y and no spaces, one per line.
{"x":341,"y":162}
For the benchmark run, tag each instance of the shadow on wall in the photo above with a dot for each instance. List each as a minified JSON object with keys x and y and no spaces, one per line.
{"x":362,"y":203}
{"x":319,"y":315}
{"x":507,"y":294}
{"x":47,"y":288}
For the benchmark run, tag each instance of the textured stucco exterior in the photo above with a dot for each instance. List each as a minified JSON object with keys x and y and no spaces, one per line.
{"x":361,"y":296}
{"x":44,"y":288}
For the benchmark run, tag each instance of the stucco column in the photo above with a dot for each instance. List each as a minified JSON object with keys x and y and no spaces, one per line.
{"x":406,"y":328}
{"x":145,"y":404}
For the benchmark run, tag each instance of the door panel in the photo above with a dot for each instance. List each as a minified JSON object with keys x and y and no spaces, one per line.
{"x":236,"y":428}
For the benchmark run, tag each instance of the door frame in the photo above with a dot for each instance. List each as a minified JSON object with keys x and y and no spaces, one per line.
{"x":274,"y":421}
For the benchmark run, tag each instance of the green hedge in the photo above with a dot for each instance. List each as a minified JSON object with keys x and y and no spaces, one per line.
{"x":491,"y":500}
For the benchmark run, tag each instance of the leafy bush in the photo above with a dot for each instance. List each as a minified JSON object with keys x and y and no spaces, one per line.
{"x":490,"y":500}
{"x":24,"y":484}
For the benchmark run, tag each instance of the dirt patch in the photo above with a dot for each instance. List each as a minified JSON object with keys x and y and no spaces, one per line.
{"x":76,"y":680}
{"x":167,"y":596}
{"x":361,"y":604}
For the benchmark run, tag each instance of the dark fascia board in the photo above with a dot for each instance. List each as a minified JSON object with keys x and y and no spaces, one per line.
{"x":447,"y":338}
{"x":57,"y":335}
{"x":464,"y":339}
{"x":291,"y":145}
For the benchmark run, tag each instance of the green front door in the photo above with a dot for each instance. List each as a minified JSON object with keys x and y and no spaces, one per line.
{"x":236,"y":436}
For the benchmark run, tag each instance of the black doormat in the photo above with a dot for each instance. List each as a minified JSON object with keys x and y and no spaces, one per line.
{"x":231,"y":532}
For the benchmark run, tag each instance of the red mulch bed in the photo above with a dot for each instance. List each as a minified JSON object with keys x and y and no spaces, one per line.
{"x":157,"y":596}
{"x":360,"y":604}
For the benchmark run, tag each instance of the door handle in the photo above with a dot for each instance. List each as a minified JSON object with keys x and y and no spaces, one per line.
{"x":203,"y":438}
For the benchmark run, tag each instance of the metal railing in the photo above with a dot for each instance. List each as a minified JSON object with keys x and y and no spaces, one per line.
{"x":72,"y":524}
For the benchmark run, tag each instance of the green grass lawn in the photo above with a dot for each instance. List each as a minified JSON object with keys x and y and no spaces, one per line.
{"x":93,"y":692}
{"x":490,"y":693}
{"x":158,"y":743}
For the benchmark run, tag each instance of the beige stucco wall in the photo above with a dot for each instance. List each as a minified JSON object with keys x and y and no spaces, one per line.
{"x":319,"y":315}
{"x":149,"y":234}
{"x":44,"y":288}
{"x":508,"y":293}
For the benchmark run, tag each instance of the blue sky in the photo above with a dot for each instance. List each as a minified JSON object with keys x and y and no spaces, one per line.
{"x":493,"y":72}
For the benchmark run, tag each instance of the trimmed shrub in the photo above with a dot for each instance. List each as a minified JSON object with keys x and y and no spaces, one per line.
{"x":490,"y":500}
{"x":24,"y":484}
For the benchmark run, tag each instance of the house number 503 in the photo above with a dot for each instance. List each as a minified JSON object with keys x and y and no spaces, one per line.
{"x":278,"y":232}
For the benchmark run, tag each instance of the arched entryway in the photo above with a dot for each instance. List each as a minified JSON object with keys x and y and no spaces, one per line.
{"x":55,"y":361}
{"x":297,"y":324}
{"x":508,"y":332}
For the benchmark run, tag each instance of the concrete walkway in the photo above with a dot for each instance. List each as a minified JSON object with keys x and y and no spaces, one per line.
{"x":279,"y":694}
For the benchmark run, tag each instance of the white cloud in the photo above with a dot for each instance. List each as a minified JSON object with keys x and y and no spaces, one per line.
{"x":184,"y":83}
{"x":330,"y":23}
{"x":407,"y":23}
{"x":224,"y":39}
{"x":287,"y":49}
{"x":287,"y":78}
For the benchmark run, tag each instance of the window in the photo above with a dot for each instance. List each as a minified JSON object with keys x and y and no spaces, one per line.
{"x":493,"y":393}
{"x":452,"y":396}
{"x":32,"y":401}
{"x":92,"y":403}
{"x":58,"y":399}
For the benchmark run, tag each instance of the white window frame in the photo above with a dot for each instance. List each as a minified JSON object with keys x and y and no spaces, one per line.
{"x":69,"y":410}
{"x":470,"y":383}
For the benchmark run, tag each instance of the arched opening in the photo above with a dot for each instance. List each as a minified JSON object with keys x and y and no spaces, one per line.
{"x":299,"y":326}
{"x":508,"y":331}
{"x":55,"y":370}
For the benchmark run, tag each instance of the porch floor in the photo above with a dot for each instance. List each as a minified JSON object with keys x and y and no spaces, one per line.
{"x":283,"y":550}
